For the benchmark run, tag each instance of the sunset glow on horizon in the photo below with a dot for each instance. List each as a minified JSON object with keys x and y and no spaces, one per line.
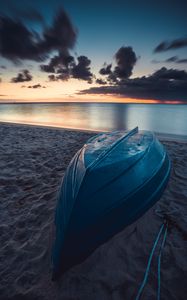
{"x":68,"y":93}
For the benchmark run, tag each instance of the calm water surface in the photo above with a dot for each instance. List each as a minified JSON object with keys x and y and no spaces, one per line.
{"x":161,"y":118}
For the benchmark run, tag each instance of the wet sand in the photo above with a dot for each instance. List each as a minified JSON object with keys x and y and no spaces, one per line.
{"x":32,"y":163}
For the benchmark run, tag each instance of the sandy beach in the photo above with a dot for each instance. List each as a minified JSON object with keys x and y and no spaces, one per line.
{"x":32,"y":163}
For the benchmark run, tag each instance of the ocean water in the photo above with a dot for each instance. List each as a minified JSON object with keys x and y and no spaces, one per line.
{"x":162,"y":118}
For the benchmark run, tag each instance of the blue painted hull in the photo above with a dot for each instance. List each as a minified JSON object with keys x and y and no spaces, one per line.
{"x":113,"y":180}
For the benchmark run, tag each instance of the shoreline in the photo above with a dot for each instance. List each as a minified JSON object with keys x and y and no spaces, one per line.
{"x":160,"y":135}
{"x":51,"y":127}
{"x":33,"y":160}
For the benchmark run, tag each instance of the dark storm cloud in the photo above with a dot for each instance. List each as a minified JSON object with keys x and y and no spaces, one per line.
{"x":106,"y":70}
{"x":47,"y":68}
{"x":64,"y":76}
{"x":3,"y":67}
{"x":18,"y":43}
{"x":65,"y":67}
{"x":22,"y":76}
{"x":165,"y":73}
{"x":125,"y":59}
{"x":82,"y":69}
{"x":164,"y":84}
{"x":175,"y":44}
{"x":62,"y":60}
{"x":61,"y":35}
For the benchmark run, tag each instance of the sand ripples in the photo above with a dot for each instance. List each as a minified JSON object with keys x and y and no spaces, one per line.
{"x":32,"y":164}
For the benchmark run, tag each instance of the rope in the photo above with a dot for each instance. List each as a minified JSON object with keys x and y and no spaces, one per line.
{"x":159,"y":260}
{"x":164,"y":225}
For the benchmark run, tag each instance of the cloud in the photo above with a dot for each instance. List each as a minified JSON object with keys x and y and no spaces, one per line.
{"x":64,"y":76}
{"x":3,"y":67}
{"x":164,"y":84}
{"x":175,"y":44}
{"x":125,"y":59}
{"x":101,"y":81}
{"x":81,"y":70}
{"x":18,"y":43}
{"x":61,"y":35}
{"x":52,"y":77}
{"x":172,"y":59}
{"x":64,"y":67}
{"x":36,"y":86}
{"x":48,"y":68}
{"x":182,"y":61}
{"x":170,"y":74}
{"x":56,"y":63}
{"x":22,"y":76}
{"x":106,"y":70}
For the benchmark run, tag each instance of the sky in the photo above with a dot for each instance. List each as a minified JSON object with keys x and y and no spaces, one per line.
{"x":124,"y":51}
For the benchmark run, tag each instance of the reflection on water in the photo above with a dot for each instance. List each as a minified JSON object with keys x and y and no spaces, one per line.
{"x":100,"y":116}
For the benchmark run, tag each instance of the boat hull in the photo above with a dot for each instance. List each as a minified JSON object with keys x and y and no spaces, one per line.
{"x":106,"y":187}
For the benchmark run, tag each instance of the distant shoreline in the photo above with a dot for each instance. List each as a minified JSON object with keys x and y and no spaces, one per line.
{"x":93,"y":102}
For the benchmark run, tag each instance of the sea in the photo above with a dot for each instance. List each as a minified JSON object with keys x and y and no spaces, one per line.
{"x":160,"y":118}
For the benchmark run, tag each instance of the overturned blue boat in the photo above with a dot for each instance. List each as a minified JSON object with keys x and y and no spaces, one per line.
{"x":110,"y":182}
